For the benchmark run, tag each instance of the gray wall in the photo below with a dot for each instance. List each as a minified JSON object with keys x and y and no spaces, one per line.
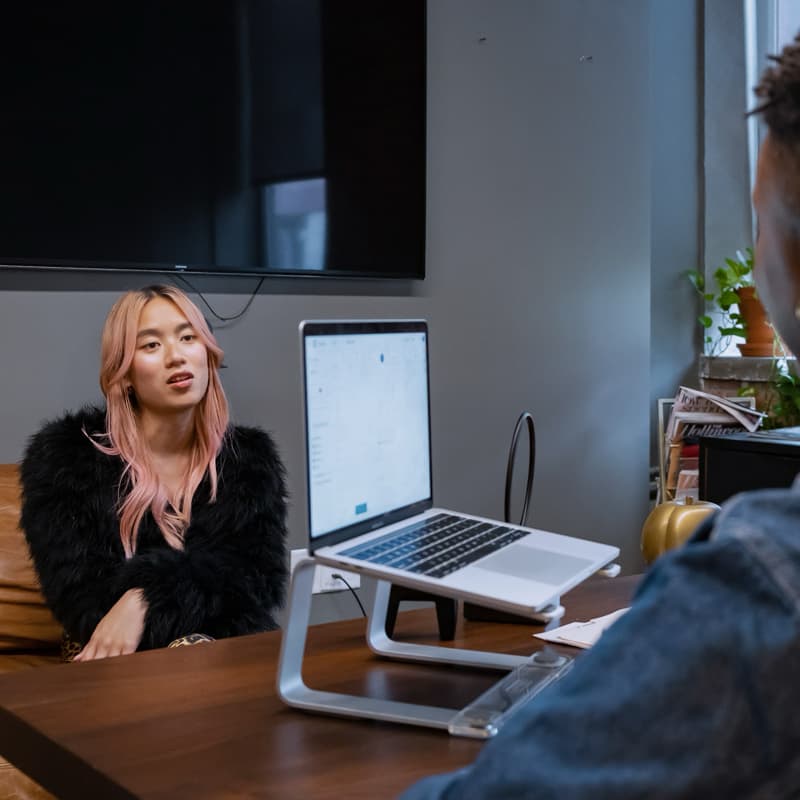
{"x":727,"y":210}
{"x":677,"y":180}
{"x":538,"y":294}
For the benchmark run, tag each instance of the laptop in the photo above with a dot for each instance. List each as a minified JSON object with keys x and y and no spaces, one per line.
{"x":369,"y":473}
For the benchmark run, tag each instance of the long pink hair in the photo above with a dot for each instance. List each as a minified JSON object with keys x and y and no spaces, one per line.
{"x":123,"y":435}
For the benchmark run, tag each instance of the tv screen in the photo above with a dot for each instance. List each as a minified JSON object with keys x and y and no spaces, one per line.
{"x":215,"y":136}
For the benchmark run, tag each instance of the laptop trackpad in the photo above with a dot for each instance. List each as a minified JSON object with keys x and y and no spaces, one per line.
{"x":531,"y":563}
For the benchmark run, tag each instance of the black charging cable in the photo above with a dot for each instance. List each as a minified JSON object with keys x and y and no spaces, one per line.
{"x":352,"y":591}
{"x":524,"y":417}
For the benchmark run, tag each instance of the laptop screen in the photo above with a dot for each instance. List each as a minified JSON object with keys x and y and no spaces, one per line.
{"x":367,"y":422}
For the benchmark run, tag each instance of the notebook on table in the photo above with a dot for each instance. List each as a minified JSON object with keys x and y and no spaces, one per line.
{"x":369,"y":474}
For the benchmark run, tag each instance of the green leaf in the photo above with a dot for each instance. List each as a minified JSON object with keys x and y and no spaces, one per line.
{"x":705,"y":321}
{"x":739,"y":268}
{"x":697,"y":279}
{"x":722,"y":277}
{"x":728,"y":298}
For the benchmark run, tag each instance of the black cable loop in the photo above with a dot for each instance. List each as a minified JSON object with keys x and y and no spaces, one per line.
{"x":526,"y":416}
{"x":208,"y":305}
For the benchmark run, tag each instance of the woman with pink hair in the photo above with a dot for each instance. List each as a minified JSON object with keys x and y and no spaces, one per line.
{"x":155,"y":518}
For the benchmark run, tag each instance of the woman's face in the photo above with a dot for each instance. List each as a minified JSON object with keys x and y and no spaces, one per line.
{"x":169,"y":372}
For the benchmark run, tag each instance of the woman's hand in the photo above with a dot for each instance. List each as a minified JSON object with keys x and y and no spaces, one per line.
{"x":120,"y":630}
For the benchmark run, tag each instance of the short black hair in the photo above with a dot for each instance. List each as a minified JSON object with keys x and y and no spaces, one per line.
{"x":779,"y":91}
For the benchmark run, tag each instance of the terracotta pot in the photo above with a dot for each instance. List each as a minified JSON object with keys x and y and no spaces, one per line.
{"x":760,"y":337}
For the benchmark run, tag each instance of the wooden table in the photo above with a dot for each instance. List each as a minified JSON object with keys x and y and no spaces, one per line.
{"x":205,"y":721}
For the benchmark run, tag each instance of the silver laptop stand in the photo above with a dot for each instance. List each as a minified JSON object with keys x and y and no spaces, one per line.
{"x":294,"y":692}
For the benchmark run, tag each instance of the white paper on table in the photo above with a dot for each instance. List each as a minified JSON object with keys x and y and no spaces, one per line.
{"x":581,"y":634}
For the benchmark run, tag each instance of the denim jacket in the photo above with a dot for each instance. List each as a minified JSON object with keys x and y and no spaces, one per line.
{"x":694,"y":693}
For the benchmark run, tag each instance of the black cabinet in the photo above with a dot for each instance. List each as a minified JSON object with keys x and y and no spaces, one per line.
{"x":745,"y":461}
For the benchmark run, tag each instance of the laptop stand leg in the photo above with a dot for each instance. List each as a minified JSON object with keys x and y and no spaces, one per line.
{"x":294,"y":692}
{"x":382,"y":645}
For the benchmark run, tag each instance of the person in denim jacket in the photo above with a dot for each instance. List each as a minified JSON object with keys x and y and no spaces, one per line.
{"x":694,"y":693}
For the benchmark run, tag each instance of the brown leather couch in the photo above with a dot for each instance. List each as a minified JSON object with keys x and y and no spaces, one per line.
{"x":29,"y":636}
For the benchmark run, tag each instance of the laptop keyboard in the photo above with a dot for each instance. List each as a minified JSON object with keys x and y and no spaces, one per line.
{"x":437,"y":545}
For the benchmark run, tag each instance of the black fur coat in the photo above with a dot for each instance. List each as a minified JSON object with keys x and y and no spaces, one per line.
{"x":229,"y":578}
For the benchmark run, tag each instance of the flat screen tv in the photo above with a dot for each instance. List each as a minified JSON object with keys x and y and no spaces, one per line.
{"x":214,"y":136}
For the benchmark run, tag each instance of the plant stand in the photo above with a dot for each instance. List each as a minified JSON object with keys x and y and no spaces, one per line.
{"x":725,"y":375}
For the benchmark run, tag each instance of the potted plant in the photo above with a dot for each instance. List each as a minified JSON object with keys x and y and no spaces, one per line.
{"x":740,"y":312}
{"x":782,"y":402}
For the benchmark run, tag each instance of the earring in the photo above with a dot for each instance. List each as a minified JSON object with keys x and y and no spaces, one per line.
{"x":797,"y":312}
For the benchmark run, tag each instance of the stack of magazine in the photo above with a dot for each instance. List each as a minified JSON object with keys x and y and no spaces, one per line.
{"x":695,"y":414}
